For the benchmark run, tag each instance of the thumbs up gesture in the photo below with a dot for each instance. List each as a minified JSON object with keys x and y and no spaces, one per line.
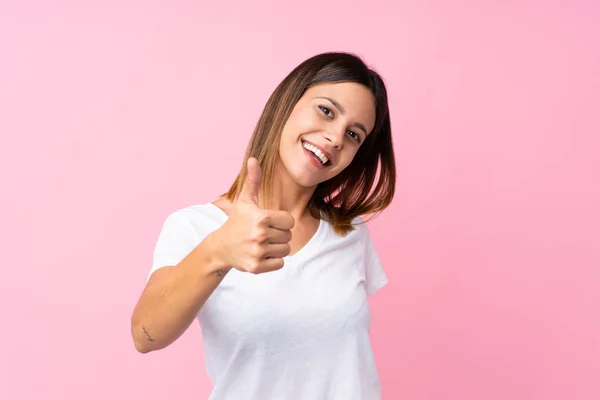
{"x":255,"y":239}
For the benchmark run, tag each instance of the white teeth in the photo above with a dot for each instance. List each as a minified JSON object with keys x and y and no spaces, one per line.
{"x":316,"y":151}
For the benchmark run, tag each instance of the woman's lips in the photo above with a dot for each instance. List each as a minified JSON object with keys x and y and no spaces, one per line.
{"x":314,"y":157}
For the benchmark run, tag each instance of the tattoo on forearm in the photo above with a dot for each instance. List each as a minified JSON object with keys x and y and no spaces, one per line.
{"x":221,"y":273}
{"x":147,"y":334}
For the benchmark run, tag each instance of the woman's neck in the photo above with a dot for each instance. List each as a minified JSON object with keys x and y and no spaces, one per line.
{"x":287,"y":195}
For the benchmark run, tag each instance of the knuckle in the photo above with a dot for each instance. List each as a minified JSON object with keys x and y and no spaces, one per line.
{"x":262,"y":217}
{"x":253,"y":267}
{"x":261,"y":235}
{"x":258,"y":235}
{"x":256,"y":251}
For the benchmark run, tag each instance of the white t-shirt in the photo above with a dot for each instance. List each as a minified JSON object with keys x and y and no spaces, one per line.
{"x":298,"y":333}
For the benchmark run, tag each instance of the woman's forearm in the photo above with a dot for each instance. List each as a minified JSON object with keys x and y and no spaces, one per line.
{"x":174,"y":295}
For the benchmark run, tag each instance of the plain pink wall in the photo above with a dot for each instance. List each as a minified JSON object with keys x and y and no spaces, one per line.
{"x":113,"y":114}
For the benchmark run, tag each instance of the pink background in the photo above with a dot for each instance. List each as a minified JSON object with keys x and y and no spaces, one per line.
{"x":113,"y":114}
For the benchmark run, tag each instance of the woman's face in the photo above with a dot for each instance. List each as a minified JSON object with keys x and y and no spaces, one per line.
{"x":325,"y":130}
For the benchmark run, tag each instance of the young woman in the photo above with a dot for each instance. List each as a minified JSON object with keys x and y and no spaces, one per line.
{"x":278,"y":270}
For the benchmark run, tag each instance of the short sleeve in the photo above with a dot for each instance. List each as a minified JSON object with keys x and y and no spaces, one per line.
{"x":375,"y":277}
{"x":175,"y":241}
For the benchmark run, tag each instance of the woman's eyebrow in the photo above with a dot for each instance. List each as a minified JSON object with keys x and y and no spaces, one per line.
{"x":335,"y":103}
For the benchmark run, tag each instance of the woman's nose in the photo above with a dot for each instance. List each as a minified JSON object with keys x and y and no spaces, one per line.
{"x":336,"y":137}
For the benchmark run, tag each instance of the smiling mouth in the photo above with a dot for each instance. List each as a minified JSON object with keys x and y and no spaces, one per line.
{"x":317,"y":154}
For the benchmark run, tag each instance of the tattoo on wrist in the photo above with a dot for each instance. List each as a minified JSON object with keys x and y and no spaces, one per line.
{"x":147,"y":334}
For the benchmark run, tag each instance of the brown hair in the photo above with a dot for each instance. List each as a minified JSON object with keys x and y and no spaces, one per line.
{"x":367,"y":185}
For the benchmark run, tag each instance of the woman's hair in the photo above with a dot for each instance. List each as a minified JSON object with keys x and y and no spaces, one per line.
{"x":366,"y":186}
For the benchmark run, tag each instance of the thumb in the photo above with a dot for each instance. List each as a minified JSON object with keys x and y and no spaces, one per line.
{"x":251,"y":186}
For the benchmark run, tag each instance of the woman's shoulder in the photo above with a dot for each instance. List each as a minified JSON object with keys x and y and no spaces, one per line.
{"x":197,"y":214}
{"x":358,"y":233}
{"x":360,"y":226}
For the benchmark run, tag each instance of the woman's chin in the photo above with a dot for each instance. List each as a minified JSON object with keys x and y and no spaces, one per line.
{"x":304,"y":179}
{"x":304,"y":174}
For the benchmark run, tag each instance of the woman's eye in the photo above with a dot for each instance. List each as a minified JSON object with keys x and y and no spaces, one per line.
{"x":354,"y":136}
{"x":327,"y":111}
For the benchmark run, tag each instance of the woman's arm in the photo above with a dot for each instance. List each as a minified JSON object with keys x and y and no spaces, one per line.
{"x":251,"y":240}
{"x":174,"y":295}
